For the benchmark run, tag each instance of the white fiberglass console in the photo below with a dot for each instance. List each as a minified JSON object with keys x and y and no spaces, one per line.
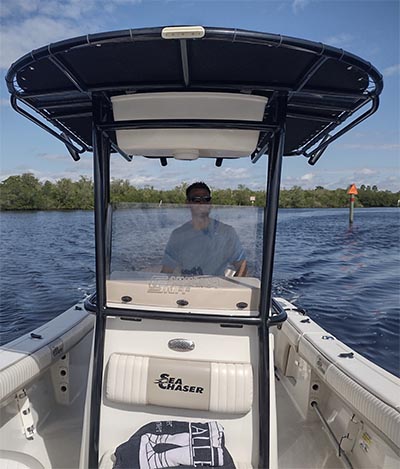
{"x":203,"y":294}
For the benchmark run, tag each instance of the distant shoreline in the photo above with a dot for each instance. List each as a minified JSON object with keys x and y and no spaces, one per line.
{"x":155,"y":206}
{"x":26,"y":192}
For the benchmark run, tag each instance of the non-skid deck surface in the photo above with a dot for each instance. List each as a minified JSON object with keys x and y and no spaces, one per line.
{"x":301,"y":444}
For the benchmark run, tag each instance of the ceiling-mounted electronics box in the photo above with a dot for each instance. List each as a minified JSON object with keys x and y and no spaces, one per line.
{"x":188,"y":144}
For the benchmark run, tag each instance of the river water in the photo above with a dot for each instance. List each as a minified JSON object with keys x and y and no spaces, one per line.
{"x":347,"y":278}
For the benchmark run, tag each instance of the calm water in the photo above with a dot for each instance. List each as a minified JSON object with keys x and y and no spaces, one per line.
{"x":347,"y":279}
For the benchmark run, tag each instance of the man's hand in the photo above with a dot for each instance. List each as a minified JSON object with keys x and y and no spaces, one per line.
{"x":241,"y":268}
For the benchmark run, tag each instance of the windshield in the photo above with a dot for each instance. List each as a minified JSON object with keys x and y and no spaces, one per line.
{"x":196,"y":248}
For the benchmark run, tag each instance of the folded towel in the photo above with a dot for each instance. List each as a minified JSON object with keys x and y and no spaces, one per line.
{"x":167,"y":444}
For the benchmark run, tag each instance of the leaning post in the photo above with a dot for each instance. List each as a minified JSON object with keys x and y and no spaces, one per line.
{"x":352,"y":193}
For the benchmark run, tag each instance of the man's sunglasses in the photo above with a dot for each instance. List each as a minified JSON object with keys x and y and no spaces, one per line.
{"x":199,"y":199}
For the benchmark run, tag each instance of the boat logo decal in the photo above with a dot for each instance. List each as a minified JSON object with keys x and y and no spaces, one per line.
{"x":57,"y":347}
{"x":179,"y":284}
{"x":181,"y":345}
{"x":170,"y":383}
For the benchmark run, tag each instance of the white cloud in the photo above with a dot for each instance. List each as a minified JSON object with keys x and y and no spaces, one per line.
{"x":31,"y":24}
{"x":52,"y":156}
{"x":339,"y":40}
{"x":17,"y":40}
{"x":18,"y":7}
{"x":142,"y":172}
{"x":371,"y":146}
{"x":367,"y":171}
{"x":74,"y":9}
{"x":384,"y":178}
{"x":235,"y":173}
{"x":392,"y":70}
{"x":307,"y":177}
{"x":299,"y":5}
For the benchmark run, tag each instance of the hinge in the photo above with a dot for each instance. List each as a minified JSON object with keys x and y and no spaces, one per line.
{"x":24,"y":407}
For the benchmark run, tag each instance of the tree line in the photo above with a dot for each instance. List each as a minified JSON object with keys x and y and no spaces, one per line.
{"x":26,"y":192}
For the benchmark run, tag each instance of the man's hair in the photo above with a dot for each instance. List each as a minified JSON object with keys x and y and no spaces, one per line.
{"x":197,"y":185}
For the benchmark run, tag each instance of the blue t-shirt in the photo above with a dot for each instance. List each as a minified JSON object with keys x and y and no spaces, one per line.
{"x":203,"y":252}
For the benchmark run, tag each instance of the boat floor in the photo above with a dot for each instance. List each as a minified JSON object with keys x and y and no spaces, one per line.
{"x":301,"y":444}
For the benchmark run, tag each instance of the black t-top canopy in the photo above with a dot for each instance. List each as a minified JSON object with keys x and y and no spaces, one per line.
{"x":324,"y":85}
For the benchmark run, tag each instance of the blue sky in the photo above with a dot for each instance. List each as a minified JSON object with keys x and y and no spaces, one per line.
{"x":367,"y":155}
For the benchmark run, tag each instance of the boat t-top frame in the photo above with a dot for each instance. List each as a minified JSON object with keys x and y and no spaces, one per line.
{"x":315,"y":93}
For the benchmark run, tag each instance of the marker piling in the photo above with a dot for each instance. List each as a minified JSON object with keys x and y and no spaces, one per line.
{"x":352,"y":193}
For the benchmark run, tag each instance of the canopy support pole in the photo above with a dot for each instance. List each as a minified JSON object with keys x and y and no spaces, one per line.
{"x":101,"y":163}
{"x":269,"y":234}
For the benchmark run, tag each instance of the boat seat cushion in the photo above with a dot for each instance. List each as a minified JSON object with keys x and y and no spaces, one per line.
{"x":186,"y":384}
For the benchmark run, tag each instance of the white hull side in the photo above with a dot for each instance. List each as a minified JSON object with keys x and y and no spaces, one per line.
{"x":53,"y":372}
{"x":359,"y":400}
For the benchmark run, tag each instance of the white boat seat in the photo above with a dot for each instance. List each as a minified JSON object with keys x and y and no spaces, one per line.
{"x":185,"y":384}
{"x":17,"y":460}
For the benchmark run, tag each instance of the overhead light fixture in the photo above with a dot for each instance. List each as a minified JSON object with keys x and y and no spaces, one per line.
{"x":183,"y":32}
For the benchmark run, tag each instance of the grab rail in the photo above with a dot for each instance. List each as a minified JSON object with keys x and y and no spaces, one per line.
{"x":280,"y":315}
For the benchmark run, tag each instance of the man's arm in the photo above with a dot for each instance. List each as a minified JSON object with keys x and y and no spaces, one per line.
{"x":237,"y":253}
{"x":241,"y":268}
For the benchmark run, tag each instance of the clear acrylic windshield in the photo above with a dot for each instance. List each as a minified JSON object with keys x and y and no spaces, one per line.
{"x":195,"y":255}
